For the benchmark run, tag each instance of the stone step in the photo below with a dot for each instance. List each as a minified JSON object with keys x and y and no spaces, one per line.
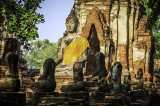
{"x":98,"y":96}
{"x":61,"y":101}
{"x":78,"y":98}
{"x":28,"y":99}
{"x":47,"y":104}
{"x":57,"y":98}
{"x":136,"y":104}
{"x":76,"y":95}
{"x":33,"y":98}
{"x":12,"y":99}
{"x":113,"y":100}
{"x":42,"y":94}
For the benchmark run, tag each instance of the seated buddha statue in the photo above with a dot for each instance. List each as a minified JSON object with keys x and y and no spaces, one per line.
{"x":63,"y":47}
{"x":138,"y":82}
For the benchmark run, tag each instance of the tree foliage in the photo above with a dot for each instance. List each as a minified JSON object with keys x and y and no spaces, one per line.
{"x":153,"y":21}
{"x":39,"y":52}
{"x":21,"y":18}
{"x":153,"y":13}
{"x":156,"y":35}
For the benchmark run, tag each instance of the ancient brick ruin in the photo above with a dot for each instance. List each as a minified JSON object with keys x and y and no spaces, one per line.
{"x":120,"y":33}
{"x":128,"y":42}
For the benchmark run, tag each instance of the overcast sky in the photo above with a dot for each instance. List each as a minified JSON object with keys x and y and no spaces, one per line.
{"x":55,"y":13}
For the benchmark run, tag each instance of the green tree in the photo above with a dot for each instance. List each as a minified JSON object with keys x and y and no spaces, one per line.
{"x":39,"y":51}
{"x":156,"y":35}
{"x":153,"y":13}
{"x":21,"y":18}
{"x":153,"y":21}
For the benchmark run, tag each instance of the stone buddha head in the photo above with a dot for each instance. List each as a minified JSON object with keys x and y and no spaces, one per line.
{"x":71,"y":22}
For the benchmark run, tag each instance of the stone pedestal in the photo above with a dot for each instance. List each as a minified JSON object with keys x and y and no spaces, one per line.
{"x":95,"y":86}
{"x":62,"y":80}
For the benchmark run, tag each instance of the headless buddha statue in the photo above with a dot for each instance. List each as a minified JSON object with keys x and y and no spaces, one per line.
{"x":11,"y":82}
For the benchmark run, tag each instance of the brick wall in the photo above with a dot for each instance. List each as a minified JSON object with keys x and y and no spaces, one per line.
{"x":132,"y":41}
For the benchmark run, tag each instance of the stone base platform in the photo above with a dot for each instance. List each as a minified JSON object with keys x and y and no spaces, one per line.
{"x":55,"y":99}
{"x":33,"y":98}
{"x":62,"y":80}
{"x":12,"y":99}
{"x":67,"y":99}
{"x":114,"y":99}
{"x":135,"y":98}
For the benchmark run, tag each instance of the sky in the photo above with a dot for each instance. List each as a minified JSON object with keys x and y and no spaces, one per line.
{"x":55,"y":13}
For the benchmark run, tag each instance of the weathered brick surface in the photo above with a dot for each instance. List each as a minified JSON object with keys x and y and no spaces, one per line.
{"x":94,"y":18}
{"x":132,"y":40}
{"x":130,"y":59}
{"x":122,"y":55}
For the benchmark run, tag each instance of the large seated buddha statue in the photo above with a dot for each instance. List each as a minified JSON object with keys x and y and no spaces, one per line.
{"x":71,"y":47}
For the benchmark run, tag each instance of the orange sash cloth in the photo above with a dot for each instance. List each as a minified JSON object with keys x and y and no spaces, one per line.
{"x":74,"y":50}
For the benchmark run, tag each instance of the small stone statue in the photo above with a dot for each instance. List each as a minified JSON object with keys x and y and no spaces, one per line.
{"x":157,"y":75}
{"x":10,"y":45}
{"x":126,"y":83}
{"x":138,"y":82}
{"x":98,"y":82}
{"x":115,"y":81}
{"x":78,"y":84}
{"x":78,"y":71}
{"x":100,"y":71}
{"x":11,"y":82}
{"x":46,"y":82}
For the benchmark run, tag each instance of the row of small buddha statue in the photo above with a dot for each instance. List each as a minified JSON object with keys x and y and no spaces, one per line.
{"x":46,"y":82}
